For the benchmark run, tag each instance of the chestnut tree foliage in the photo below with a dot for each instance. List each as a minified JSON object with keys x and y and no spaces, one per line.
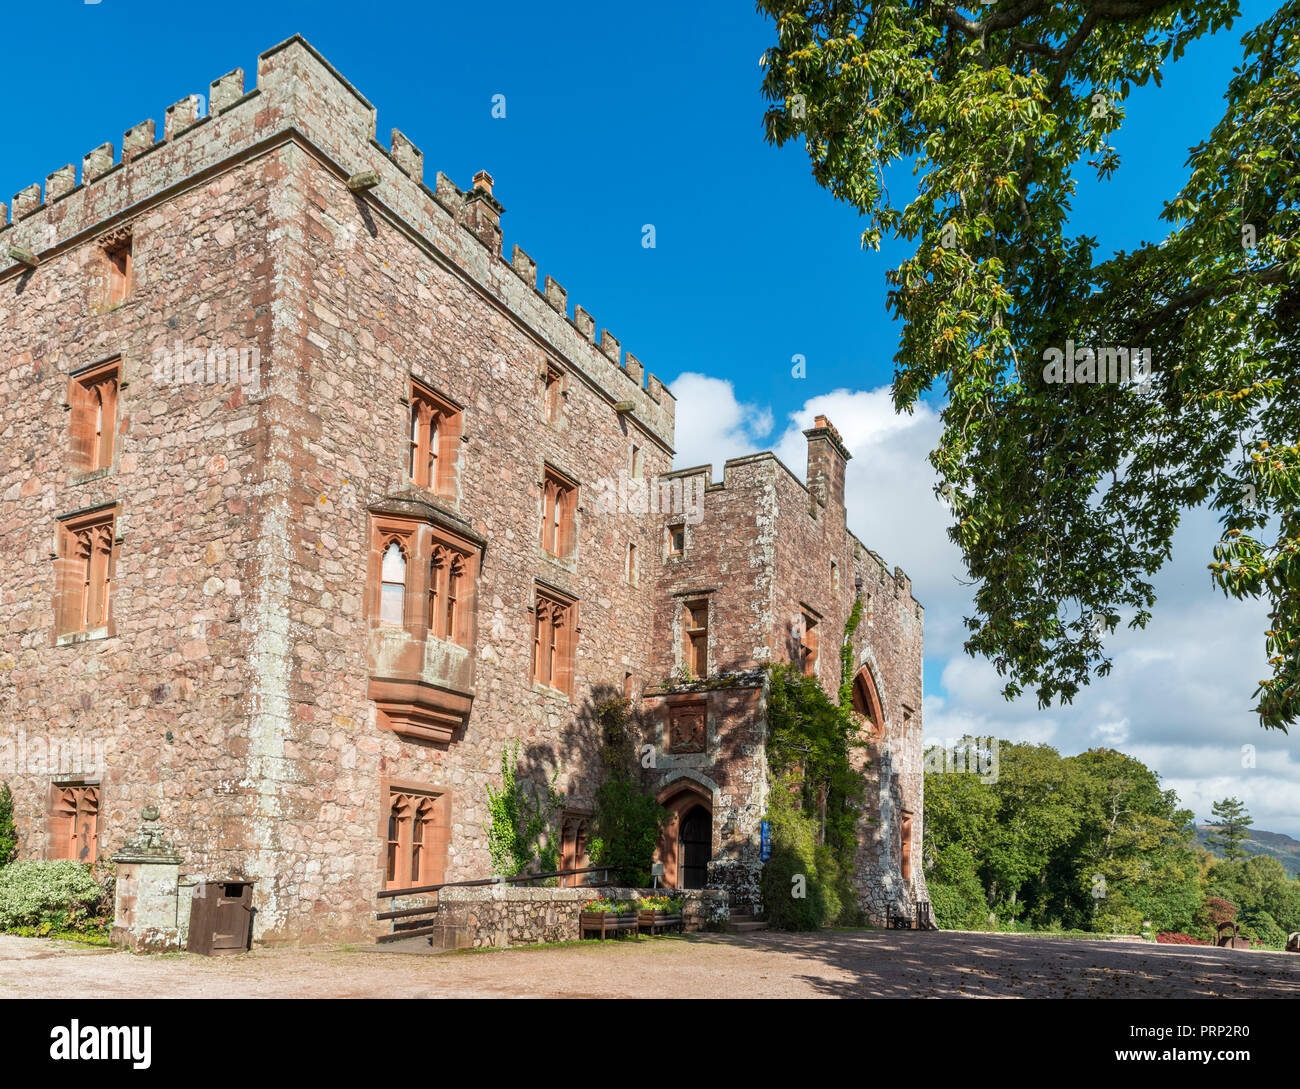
{"x":1066,"y":496}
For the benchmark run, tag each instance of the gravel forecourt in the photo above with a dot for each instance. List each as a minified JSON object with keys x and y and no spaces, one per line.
{"x":766,"y":964}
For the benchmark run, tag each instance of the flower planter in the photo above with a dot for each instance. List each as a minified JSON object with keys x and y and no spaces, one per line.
{"x":605,"y":923}
{"x":656,"y":921}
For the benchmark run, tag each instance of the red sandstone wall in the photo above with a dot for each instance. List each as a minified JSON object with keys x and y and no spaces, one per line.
{"x":164,"y":699}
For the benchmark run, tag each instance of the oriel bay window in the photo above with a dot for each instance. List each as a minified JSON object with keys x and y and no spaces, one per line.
{"x":84,"y":569}
{"x":421,"y":599}
{"x":434,"y":441}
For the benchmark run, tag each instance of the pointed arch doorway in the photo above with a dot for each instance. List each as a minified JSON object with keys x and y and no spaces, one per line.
{"x":686,"y":843}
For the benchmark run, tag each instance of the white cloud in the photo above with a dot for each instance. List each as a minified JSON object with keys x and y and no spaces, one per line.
{"x":712,"y":425}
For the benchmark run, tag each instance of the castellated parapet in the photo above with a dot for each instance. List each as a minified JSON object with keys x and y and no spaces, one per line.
{"x":301,"y":97}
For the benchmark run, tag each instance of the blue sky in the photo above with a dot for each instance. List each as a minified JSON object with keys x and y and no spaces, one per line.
{"x":619,"y":117}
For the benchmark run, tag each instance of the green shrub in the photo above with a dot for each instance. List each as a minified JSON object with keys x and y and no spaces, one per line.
{"x":804,"y":885}
{"x":8,"y":833}
{"x":1262,"y":927}
{"x":626,"y":828}
{"x":956,"y":894}
{"x":60,"y":895}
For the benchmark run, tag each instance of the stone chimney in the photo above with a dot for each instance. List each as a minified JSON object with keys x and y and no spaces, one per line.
{"x":483,"y":212}
{"x":827,"y":458}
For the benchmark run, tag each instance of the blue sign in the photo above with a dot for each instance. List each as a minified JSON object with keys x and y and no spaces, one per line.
{"x":765,"y":841}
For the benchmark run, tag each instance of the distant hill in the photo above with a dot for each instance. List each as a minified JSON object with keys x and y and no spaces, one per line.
{"x":1282,"y":847}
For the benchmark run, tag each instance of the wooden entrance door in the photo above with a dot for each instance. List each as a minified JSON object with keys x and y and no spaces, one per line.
{"x":694,"y":848}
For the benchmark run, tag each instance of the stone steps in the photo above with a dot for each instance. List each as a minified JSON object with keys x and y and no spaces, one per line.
{"x":744,"y":924}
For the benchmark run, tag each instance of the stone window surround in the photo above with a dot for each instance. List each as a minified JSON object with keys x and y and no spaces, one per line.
{"x":423,"y":543}
{"x":809,"y":639}
{"x":117,"y":256}
{"x":558,"y":643}
{"x":434,"y":865}
{"x":66,"y":801}
{"x":555,"y":392}
{"x":684,"y":600}
{"x":93,"y":530}
{"x":90,"y":389}
{"x":559,"y":526}
{"x":429,"y":413}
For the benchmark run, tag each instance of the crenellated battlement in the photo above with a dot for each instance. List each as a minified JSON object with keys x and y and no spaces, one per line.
{"x":300,"y":96}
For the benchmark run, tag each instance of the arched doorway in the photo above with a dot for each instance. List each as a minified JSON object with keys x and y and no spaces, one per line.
{"x":694,"y":848}
{"x":685,"y":797}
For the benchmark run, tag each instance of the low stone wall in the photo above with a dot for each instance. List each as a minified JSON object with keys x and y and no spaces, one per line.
{"x":498,"y":916}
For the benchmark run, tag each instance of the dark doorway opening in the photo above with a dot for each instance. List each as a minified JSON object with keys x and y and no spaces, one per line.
{"x":695,"y":848}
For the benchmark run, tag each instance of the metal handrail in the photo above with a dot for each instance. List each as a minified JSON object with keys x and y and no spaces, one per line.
{"x":388,"y":894}
{"x":432,"y":909}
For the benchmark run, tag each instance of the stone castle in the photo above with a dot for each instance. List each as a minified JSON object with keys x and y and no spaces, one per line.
{"x":313,"y":503}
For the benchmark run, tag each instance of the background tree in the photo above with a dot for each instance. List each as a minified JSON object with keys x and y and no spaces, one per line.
{"x":1232,"y":824}
{"x":1066,"y":497}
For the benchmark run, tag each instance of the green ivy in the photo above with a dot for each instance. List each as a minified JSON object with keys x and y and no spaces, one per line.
{"x":518,"y":819}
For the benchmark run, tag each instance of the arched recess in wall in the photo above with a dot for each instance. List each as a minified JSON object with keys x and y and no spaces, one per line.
{"x":866,"y":702}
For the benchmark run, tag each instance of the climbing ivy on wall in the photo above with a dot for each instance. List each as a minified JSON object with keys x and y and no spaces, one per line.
{"x":815,"y":796}
{"x":519,"y":814}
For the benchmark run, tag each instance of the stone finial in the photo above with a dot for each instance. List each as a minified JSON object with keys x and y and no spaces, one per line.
{"x":136,"y":141}
{"x":409,"y":157}
{"x":556,"y":296}
{"x":97,"y":162}
{"x":225,"y":90}
{"x":585,"y":322}
{"x":61,"y":182}
{"x":634,"y":368}
{"x":27,"y":200}
{"x":524,"y":265}
{"x":180,"y":116}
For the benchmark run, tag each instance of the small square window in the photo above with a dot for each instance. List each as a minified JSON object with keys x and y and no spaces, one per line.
{"x":677,"y":538}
